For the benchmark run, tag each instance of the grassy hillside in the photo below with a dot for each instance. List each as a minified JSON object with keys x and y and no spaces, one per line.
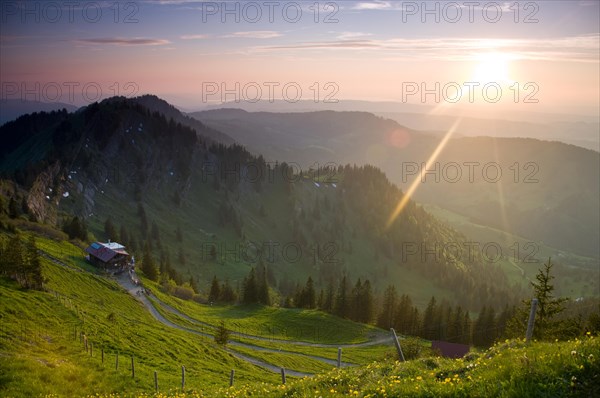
{"x":43,"y":351}
{"x":509,"y":369}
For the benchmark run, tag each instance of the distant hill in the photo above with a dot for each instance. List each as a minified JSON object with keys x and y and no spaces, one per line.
{"x":156,"y":104}
{"x":10,"y":109}
{"x":570,"y":125}
{"x":559,"y":204}
{"x":582,"y":133}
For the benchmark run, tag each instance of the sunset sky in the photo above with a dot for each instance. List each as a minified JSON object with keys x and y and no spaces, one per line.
{"x":372,"y":51}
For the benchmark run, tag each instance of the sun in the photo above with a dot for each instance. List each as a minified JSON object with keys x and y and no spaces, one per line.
{"x":493,"y":67}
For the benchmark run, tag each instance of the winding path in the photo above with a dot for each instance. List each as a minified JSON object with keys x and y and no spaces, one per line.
{"x":135,"y":291}
{"x":379,"y":340}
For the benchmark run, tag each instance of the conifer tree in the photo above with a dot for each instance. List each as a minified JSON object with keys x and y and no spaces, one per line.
{"x":388,"y":310}
{"x":428,"y":330}
{"x":148,"y":266}
{"x":250,"y":291}
{"x":215,"y":290}
{"x":342,"y":304}
{"x":228,"y":295}
{"x":367,"y":305}
{"x":329,"y":297}
{"x":222,"y":334}
{"x":309,"y":295}
{"x":548,"y":305}
{"x":262,"y":286}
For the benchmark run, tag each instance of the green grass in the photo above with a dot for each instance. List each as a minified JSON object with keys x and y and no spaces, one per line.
{"x":509,"y":369}
{"x":42,"y":352}
{"x":271,"y":322}
{"x":41,"y":355}
{"x":360,"y":355}
{"x":284,"y":360}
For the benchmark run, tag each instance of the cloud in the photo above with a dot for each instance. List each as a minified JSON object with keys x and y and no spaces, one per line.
{"x":327,"y":45}
{"x":194,"y":37}
{"x":124,"y":42}
{"x":352,"y":35}
{"x":378,"y":5}
{"x":256,"y":34}
{"x":584,"y":48}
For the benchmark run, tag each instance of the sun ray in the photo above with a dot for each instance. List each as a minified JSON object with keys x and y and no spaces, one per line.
{"x":415,"y":184}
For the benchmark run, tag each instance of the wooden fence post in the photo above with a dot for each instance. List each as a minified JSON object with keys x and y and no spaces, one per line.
{"x":155,"y":381}
{"x":231,"y":378}
{"x":397,"y":343}
{"x":282,"y":376}
{"x":339,"y":361}
{"x":531,"y":322}
{"x":182,"y":378}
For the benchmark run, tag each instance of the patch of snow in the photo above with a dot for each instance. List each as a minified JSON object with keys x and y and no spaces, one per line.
{"x":140,"y":129}
{"x":65,"y":195}
{"x":171,"y":173}
{"x":50,"y":189}
{"x":317,"y":185}
{"x":47,"y":197}
{"x":106,"y":181}
{"x":335,"y":186}
{"x":70,"y":177}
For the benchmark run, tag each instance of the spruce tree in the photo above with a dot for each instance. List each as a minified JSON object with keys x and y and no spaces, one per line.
{"x":342,"y":304}
{"x":227,"y":293}
{"x":148,"y":266}
{"x":250,"y":291}
{"x":215,"y":290}
{"x":388,"y":310}
{"x":32,"y":266}
{"x":329,"y":297}
{"x":309,"y":294}
{"x":428,"y":330}
{"x":367,"y":306}
{"x":263,"y":295}
{"x":222,"y":334}
{"x":548,"y":306}
{"x":356,"y":302}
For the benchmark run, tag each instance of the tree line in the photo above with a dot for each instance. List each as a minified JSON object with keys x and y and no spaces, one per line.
{"x":438,"y":321}
{"x":20,"y":261}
